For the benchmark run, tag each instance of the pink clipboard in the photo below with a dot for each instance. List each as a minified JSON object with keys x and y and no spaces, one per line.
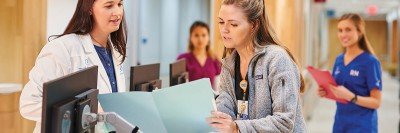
{"x":324,"y":79}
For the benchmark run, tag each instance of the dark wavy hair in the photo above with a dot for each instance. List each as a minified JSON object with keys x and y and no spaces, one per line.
{"x":196,"y":24}
{"x":82,"y":23}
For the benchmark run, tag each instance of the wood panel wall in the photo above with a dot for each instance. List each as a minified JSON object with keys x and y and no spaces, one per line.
{"x":395,"y":49}
{"x":22,"y":35}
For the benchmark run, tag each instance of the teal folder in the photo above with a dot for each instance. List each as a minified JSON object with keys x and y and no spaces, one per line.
{"x":178,"y":109}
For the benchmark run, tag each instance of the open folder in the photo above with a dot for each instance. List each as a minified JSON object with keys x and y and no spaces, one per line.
{"x":324,"y":80}
{"x":178,"y":109}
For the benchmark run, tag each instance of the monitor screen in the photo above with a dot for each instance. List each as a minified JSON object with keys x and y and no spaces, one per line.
{"x":64,"y":90}
{"x":178,"y":73}
{"x":145,"y":77}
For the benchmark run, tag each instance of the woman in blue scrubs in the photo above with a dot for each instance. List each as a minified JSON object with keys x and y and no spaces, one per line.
{"x":358,"y":74}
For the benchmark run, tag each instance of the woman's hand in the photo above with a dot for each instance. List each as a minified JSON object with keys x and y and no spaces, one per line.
{"x":321,"y":92}
{"x":342,"y":92}
{"x":222,"y":122}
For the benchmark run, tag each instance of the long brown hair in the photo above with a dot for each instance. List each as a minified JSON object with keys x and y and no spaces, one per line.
{"x":264,"y":34}
{"x":359,"y":23}
{"x":201,"y":24}
{"x":82,"y":23}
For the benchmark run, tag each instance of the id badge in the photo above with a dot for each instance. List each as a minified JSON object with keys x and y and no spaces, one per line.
{"x":243,"y":113}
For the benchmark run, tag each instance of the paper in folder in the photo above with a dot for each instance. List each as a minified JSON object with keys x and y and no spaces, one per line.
{"x":324,"y":79}
{"x":178,"y":109}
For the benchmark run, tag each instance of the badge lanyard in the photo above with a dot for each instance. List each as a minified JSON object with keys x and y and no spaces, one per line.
{"x":242,"y":104}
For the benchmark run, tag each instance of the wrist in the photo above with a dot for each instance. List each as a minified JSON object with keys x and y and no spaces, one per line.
{"x":354,"y":99}
{"x":350,"y":97}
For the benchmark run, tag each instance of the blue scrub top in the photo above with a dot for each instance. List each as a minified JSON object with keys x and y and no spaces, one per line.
{"x":360,"y":76}
{"x":107,"y":61}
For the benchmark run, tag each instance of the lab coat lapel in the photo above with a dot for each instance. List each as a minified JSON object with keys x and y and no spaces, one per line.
{"x":94,"y":58}
{"x":119,"y":70}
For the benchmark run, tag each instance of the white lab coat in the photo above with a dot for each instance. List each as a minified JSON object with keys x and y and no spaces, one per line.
{"x":60,"y":57}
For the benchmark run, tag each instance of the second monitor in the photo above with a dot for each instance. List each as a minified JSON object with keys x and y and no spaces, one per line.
{"x":145,"y":77}
{"x":178,"y":73}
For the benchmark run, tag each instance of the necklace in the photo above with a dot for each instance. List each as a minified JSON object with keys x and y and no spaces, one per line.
{"x":97,"y":41}
{"x":243,"y":105}
{"x":243,"y":85}
{"x":105,"y":49}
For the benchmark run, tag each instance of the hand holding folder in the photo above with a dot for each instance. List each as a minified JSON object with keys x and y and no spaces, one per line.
{"x":324,"y":80}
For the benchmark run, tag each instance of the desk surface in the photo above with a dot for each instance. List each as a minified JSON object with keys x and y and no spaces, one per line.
{"x":6,"y":88}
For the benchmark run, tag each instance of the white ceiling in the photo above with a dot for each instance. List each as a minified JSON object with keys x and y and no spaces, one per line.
{"x":360,"y":6}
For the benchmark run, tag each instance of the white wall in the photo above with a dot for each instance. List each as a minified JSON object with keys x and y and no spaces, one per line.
{"x":59,"y":12}
{"x":169,"y":33}
{"x":132,"y":18}
{"x":149,"y":46}
{"x":164,"y":29}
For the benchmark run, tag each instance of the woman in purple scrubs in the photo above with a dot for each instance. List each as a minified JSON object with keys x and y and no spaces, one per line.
{"x":201,"y":62}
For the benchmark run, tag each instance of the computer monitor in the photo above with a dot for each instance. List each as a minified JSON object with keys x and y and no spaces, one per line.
{"x":145,"y":77}
{"x":64,"y":97}
{"x":178,"y":73}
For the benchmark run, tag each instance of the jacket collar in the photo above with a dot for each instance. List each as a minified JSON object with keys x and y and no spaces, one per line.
{"x":87,"y":43}
{"x":229,"y":61}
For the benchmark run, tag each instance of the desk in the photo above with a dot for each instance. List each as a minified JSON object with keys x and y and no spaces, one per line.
{"x":10,"y":119}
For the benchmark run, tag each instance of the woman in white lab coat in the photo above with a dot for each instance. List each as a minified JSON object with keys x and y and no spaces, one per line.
{"x":96,"y":35}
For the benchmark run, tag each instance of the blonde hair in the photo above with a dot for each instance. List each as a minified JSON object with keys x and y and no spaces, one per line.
{"x":264,"y":33}
{"x":359,"y":23}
